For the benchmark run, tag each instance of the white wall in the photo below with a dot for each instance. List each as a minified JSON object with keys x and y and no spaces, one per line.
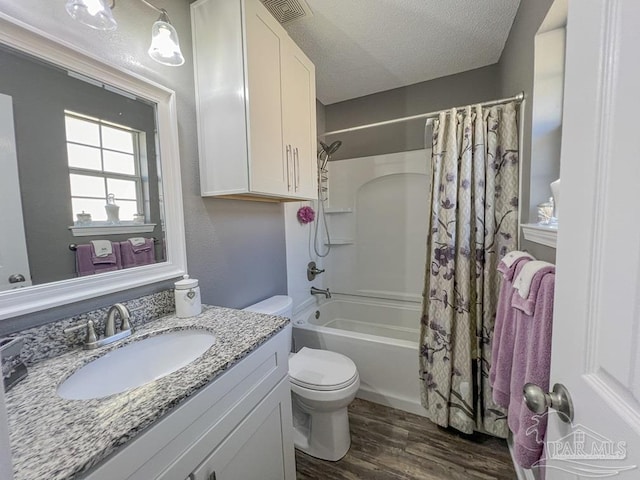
{"x":384,"y":249}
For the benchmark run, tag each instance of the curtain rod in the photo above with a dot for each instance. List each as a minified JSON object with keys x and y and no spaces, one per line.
{"x":516,"y":98}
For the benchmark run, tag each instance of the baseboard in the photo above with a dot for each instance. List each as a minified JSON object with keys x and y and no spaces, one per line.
{"x":521,"y":473}
{"x":393,"y":402}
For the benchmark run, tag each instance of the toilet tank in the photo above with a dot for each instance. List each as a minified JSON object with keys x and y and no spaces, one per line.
{"x":281,"y":305}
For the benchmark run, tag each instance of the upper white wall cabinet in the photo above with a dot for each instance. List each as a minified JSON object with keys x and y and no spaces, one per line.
{"x":255,"y":95}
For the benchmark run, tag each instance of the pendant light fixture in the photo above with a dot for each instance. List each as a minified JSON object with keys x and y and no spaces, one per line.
{"x":93,"y":13}
{"x":165,"y":46}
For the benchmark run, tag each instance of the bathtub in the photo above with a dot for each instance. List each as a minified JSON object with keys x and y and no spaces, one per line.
{"x":380,"y":336}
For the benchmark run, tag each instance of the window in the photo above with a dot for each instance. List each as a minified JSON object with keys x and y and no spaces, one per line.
{"x":104,"y":159}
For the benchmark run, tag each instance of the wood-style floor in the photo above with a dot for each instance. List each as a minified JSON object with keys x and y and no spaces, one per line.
{"x":392,"y":444}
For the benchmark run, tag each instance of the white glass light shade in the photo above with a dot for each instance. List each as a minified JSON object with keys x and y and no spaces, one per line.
{"x":93,"y":13}
{"x":165,"y":46}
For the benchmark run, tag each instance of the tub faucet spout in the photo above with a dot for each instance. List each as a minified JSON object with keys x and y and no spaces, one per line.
{"x":320,"y":291}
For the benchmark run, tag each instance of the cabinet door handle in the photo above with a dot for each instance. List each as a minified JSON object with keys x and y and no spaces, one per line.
{"x":297,"y":168}
{"x":288,"y":168}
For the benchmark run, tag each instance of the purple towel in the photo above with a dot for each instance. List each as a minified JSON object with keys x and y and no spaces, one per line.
{"x":88,"y":264}
{"x":110,"y":259}
{"x":504,"y":335}
{"x":528,"y":305}
{"x":137,"y":256}
{"x":531,"y":364}
{"x":145,"y":247}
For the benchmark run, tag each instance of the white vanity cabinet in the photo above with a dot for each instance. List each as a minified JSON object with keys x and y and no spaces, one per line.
{"x":255,"y":95}
{"x":239,"y":427}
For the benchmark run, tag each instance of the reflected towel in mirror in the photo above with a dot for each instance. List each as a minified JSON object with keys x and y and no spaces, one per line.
{"x":87,"y":263}
{"x":102,"y":248}
{"x":135,"y":256}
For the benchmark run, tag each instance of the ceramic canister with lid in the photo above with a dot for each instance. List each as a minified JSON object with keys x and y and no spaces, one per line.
{"x":187,"y":293}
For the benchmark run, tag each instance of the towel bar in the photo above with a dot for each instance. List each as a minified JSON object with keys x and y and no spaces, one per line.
{"x":74,"y":246}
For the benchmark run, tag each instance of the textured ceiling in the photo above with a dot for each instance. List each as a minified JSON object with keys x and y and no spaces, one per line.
{"x":361,"y":47}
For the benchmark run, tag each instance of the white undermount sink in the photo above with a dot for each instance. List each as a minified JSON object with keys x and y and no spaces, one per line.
{"x":136,"y":364}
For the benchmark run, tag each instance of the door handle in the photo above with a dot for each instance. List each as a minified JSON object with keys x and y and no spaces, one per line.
{"x":16,"y":278}
{"x":288,"y":168}
{"x":538,"y":401}
{"x":296,"y":163}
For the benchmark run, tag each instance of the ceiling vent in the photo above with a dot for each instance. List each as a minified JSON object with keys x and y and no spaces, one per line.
{"x":287,"y":11}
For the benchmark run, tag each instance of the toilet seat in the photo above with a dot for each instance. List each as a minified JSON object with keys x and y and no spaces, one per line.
{"x":321,"y":370}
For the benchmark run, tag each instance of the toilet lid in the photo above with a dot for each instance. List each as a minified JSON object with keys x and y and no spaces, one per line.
{"x":321,"y":369}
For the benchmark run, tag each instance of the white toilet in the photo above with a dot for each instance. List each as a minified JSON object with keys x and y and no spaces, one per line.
{"x":323,"y":384}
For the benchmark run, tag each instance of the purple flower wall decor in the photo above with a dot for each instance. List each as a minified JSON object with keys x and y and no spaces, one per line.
{"x":306,"y":215}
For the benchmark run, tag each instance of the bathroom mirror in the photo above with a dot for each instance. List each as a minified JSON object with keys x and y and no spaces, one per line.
{"x":72,"y":130}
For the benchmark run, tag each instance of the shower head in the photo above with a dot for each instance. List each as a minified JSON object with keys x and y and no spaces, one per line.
{"x":326,"y":151}
{"x":331,"y":149}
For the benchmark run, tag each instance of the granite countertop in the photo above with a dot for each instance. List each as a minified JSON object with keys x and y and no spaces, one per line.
{"x":54,"y":438}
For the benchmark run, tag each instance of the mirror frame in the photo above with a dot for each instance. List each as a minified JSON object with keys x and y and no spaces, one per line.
{"x":30,"y":40}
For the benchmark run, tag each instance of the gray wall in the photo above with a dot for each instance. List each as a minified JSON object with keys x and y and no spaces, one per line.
{"x":40,"y":95}
{"x":236,"y":249}
{"x":452,"y":91}
{"x":516,"y":68}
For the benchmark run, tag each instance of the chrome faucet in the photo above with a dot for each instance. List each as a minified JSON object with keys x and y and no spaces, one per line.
{"x":320,"y":291}
{"x":92,"y":341}
{"x":110,"y":326}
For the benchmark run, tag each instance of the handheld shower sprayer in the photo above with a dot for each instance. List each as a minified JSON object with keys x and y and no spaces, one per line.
{"x":324,"y":155}
{"x":327,"y":150}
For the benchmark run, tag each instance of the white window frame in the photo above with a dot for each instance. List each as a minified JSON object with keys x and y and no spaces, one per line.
{"x":102,"y":173}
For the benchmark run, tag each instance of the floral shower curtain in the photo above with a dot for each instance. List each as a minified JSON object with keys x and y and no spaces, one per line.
{"x":473,"y":223}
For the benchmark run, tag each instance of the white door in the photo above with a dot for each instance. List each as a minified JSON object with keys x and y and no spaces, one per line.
{"x":596,"y":336}
{"x":14,"y":264}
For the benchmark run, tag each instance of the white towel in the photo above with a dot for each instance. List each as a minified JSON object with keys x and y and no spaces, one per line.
{"x":511,"y":257}
{"x":522,"y":283}
{"x":137,"y":241}
{"x":102,"y":248}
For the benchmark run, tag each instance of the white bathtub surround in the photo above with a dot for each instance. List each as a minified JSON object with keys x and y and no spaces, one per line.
{"x":300,"y":252}
{"x":473,"y":223}
{"x":376,"y":216}
{"x":380,"y":336}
